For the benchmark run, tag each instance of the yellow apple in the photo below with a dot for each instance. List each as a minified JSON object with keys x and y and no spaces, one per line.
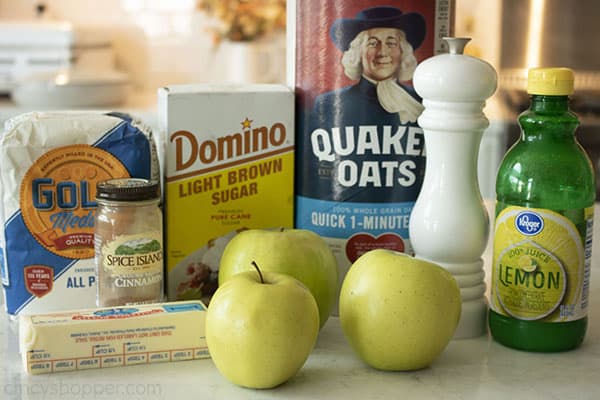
{"x":260,"y":328}
{"x":296,"y":252}
{"x":397,"y":312}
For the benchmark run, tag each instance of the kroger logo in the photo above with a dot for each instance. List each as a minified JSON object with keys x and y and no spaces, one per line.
{"x":529,"y":223}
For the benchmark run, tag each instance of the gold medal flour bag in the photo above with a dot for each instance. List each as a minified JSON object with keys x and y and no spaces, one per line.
{"x":50,"y":163}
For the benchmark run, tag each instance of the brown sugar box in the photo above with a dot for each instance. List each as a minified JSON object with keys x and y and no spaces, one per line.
{"x":229,"y":166}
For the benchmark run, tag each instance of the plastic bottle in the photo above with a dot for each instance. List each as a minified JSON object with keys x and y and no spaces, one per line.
{"x":543,"y":229}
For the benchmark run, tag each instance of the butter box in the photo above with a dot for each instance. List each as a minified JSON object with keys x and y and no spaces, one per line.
{"x":229,"y":166}
{"x":112,"y":337}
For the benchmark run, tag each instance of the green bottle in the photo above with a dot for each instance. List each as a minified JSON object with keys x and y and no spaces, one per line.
{"x":543,"y":225}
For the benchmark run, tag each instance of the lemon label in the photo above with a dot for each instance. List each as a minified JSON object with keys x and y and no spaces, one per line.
{"x":541,"y":263}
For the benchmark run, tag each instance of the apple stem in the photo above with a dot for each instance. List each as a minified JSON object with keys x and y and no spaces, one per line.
{"x":255,"y":265}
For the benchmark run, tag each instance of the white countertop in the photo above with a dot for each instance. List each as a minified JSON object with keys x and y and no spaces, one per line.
{"x":468,"y":369}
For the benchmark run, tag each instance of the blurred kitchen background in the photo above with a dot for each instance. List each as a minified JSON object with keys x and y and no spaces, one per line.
{"x":114,"y":54}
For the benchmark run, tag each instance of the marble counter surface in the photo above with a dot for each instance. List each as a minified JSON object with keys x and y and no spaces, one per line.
{"x":468,"y":369}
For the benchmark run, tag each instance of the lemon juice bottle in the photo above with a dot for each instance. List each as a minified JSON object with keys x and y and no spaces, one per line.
{"x":543,"y":227}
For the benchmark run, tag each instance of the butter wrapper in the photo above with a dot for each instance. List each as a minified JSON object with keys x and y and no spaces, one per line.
{"x":112,"y":337}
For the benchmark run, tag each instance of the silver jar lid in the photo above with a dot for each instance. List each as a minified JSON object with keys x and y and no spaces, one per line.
{"x":127,"y":189}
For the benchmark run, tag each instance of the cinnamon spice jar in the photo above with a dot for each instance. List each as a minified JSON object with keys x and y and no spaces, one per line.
{"x":128,"y":242}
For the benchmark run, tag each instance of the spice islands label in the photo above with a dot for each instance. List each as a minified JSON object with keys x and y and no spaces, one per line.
{"x":542,"y":263}
{"x":134,"y":260}
{"x":57,"y":197}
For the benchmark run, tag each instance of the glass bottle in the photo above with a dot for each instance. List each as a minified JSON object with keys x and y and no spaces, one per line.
{"x":543,"y":230}
{"x":128,"y":242}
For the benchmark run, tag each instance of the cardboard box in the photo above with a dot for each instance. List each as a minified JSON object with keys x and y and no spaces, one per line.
{"x":229,"y":166}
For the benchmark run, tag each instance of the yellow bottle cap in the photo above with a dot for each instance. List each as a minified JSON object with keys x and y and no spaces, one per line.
{"x":550,"y":81}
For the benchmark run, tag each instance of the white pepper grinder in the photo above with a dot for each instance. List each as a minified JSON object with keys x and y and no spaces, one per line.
{"x":449,"y":224}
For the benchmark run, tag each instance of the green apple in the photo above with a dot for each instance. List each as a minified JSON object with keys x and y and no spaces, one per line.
{"x":296,"y":252}
{"x":397,"y":312}
{"x":260,"y":328}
